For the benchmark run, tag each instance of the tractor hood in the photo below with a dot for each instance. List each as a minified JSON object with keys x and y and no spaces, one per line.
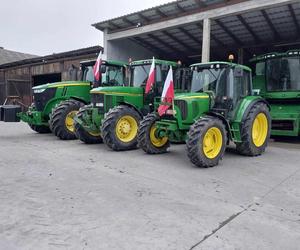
{"x":188,"y":106}
{"x":119,"y":91}
{"x":60,"y":85}
{"x":191,"y":96}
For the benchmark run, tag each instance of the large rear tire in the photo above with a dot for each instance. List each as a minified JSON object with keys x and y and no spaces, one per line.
{"x":61,"y":119}
{"x":85,"y":136}
{"x":206,"y":142}
{"x":255,"y":132}
{"x":41,"y":129}
{"x":147,"y":139}
{"x":120,"y":127}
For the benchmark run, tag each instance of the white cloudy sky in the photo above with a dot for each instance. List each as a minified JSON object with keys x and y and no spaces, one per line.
{"x":44,"y":27}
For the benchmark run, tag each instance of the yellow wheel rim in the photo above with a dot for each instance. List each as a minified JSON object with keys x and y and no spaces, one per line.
{"x":157,"y":142}
{"x":69,"y":121}
{"x":212,"y":142}
{"x":260,"y":130}
{"x":126,"y":128}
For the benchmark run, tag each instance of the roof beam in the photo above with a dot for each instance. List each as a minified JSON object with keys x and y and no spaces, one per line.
{"x":160,"y":13}
{"x":181,"y":43}
{"x":128,"y":21}
{"x":113,"y":25}
{"x":146,"y":19}
{"x":189,"y":35}
{"x":159,"y":40}
{"x":213,"y":37}
{"x":233,"y":36}
{"x":200,"y":4}
{"x":180,"y":8}
{"x":292,"y":11}
{"x":250,"y":30}
{"x":227,"y":10}
{"x":148,"y":45}
{"x":271,"y":25}
{"x":161,"y":53}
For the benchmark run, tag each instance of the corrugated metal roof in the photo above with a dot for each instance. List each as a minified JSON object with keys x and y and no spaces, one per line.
{"x":245,"y":30}
{"x":8,"y":56}
{"x":156,"y":14}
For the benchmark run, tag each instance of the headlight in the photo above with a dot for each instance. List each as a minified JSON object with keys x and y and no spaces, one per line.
{"x":100,"y":104}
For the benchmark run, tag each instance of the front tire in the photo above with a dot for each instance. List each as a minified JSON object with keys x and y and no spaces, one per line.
{"x":206,"y":142}
{"x":85,"y":136}
{"x":120,"y":127}
{"x":256,"y":130}
{"x":147,"y":139}
{"x":41,"y":129}
{"x":61,"y":119}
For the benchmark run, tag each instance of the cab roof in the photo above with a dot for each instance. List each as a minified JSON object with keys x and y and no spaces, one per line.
{"x":157,"y":61}
{"x":222,"y":63}
{"x":111,"y":62}
{"x":264,"y":57}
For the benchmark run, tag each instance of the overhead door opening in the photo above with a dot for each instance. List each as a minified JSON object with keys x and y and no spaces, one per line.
{"x":47,"y":78}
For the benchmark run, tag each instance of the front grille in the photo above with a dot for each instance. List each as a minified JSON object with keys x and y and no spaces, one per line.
{"x":286,"y":125}
{"x":183,"y":107}
{"x":108,"y":102}
{"x":97,"y":101}
{"x":41,"y":99}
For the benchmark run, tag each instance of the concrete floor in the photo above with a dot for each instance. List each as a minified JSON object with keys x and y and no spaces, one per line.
{"x":67,"y":195}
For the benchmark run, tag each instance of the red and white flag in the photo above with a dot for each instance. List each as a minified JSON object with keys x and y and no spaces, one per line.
{"x":97,"y":67}
{"x":151,"y":77}
{"x":167,"y":96}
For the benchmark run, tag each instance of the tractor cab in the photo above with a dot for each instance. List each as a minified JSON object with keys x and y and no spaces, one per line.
{"x":139,"y":73}
{"x":226,"y":83}
{"x":113,"y":73}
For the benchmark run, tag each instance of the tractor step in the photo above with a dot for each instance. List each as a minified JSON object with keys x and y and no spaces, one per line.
{"x":9,"y":113}
{"x":1,"y":113}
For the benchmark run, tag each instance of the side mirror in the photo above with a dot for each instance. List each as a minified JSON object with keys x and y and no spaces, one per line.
{"x":103,"y":69}
{"x":238,"y":72}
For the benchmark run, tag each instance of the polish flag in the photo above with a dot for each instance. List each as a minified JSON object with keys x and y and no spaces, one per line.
{"x":167,"y":96}
{"x":97,"y":67}
{"x":151,"y":77}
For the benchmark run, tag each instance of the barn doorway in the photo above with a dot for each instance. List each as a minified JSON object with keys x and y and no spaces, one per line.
{"x":47,"y":78}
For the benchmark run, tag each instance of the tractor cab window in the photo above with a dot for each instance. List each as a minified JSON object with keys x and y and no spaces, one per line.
{"x":241,"y":86}
{"x":88,"y":74}
{"x":283,"y":74}
{"x":139,"y":75}
{"x":113,"y":76}
{"x":208,"y":79}
{"x":260,"y":69}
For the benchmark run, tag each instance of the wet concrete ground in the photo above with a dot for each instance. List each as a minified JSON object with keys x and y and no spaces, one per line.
{"x":67,"y":195}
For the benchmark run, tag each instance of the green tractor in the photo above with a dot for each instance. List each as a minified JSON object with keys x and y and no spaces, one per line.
{"x":277,"y":78}
{"x":55,"y":105}
{"x":219,"y":108}
{"x":115,"y":112}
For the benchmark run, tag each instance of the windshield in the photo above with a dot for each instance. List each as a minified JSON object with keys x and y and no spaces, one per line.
{"x":283,"y":74}
{"x":139,"y":75}
{"x":114,"y":76}
{"x":88,"y":74}
{"x":206,"y":79}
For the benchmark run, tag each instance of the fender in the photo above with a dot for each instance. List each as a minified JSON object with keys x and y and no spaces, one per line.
{"x":245,"y":106}
{"x":254,"y":102}
{"x":226,"y":123}
{"x":53,"y":102}
{"x":133,"y":107}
